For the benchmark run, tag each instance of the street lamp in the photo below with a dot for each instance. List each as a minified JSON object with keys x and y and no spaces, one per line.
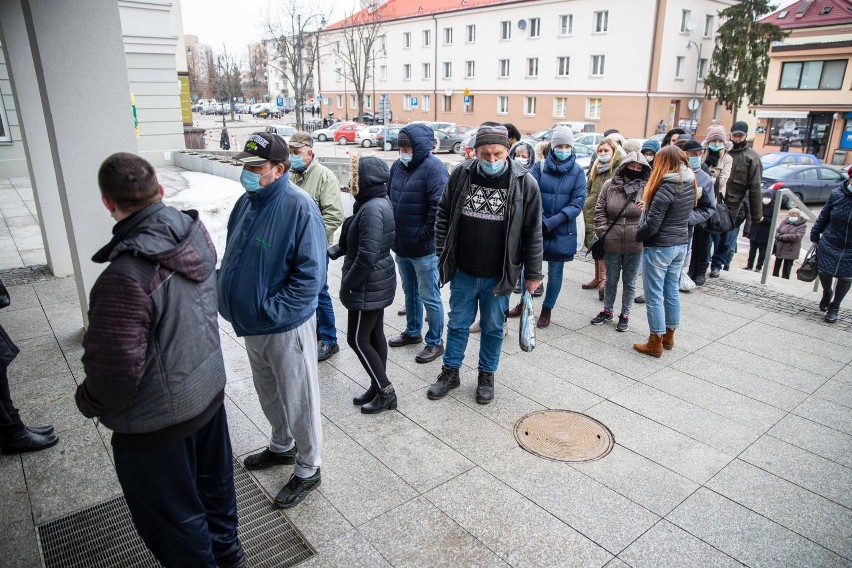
{"x":698,"y":46}
{"x":300,"y":45}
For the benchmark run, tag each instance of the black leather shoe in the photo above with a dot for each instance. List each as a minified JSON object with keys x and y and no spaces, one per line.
{"x":700,"y":279}
{"x":539,"y":291}
{"x":826,"y":300}
{"x":236,"y":560}
{"x":26,"y":441}
{"x":268,"y":458}
{"x":447,"y":380}
{"x":296,"y":490}
{"x":368,"y":395}
{"x":385,"y":399}
{"x":42,"y":430}
{"x":485,"y":388}
{"x":640,"y":299}
{"x":326,"y":350}
{"x":831,"y":315}
{"x":430,"y":353}
{"x":404,"y":339}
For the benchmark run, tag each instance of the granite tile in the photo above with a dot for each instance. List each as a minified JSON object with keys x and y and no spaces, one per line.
{"x":628,"y":363}
{"x":508,"y":405}
{"x":57,"y":291}
{"x":39,"y":357}
{"x":542,"y":387}
{"x":50,"y":400}
{"x":838,"y":392}
{"x":246,"y":437}
{"x":318,"y":520}
{"x":351,"y":550}
{"x":666,"y":545}
{"x":810,"y":352}
{"x":11,"y":475}
{"x":579,"y":372}
{"x":19,"y":548}
{"x":22,"y":296}
{"x":826,"y":413}
{"x":25,"y":323}
{"x":805,"y":327}
{"x":815,"y":438}
{"x":771,"y":369}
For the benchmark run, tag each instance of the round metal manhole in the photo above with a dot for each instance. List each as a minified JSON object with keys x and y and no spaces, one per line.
{"x":562,"y":435}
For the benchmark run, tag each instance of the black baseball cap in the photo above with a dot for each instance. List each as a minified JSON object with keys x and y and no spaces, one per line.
{"x":262,"y":147}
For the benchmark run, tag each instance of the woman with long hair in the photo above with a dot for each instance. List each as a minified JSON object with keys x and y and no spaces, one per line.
{"x":669,"y":197}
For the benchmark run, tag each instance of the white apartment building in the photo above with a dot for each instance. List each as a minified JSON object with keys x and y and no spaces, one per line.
{"x":623,"y":64}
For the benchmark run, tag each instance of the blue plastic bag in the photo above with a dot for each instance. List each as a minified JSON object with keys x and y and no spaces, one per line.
{"x":526,"y":336}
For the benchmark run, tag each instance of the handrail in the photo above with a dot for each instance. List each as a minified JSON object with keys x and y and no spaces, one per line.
{"x":779,"y":199}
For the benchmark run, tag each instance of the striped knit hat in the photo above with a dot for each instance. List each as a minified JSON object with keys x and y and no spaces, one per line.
{"x":491,"y":133}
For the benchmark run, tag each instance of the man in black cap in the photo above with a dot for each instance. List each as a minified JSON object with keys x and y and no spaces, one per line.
{"x":270,"y":278}
{"x":746,"y":172}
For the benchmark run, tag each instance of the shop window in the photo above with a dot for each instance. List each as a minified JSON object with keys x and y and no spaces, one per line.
{"x":793,"y":129}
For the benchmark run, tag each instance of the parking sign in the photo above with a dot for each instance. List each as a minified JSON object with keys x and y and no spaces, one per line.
{"x":279,"y":101}
{"x":413,"y":102}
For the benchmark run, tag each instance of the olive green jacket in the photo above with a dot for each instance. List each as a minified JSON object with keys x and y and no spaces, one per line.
{"x":321,"y":184}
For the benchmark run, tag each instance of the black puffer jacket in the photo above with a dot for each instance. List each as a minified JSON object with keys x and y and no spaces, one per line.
{"x":666,"y":222}
{"x":369,"y":273}
{"x":833,"y":230}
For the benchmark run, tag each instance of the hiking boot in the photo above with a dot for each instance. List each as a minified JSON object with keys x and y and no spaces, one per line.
{"x":543,"y":318}
{"x":668,"y":339}
{"x":267,"y":458}
{"x":605,"y":315}
{"x":447,"y":380}
{"x":385,"y":399}
{"x":296,"y":490}
{"x":430,"y":353}
{"x":622,"y":323}
{"x":405,"y":339}
{"x":593,"y":283}
{"x":516,"y":311}
{"x":326,"y":350}
{"x":700,"y":279}
{"x":654,"y":347}
{"x":485,"y":387}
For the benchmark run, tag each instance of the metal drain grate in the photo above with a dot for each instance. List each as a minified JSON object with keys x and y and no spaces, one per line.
{"x":26,"y":275}
{"x":562,"y":435}
{"x":103,"y":536}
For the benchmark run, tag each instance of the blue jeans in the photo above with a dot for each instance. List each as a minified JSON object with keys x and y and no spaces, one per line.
{"x":724,"y":247}
{"x":422,"y":289}
{"x":662,"y":286}
{"x":554,"y":283}
{"x":325,"y":314}
{"x":466,"y":292}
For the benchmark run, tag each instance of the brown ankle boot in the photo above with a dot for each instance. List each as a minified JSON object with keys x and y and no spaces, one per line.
{"x":516,"y":311}
{"x":668,"y":339}
{"x":654,"y":347}
{"x":602,"y":281}
{"x":593,"y":283}
{"x":543,"y":318}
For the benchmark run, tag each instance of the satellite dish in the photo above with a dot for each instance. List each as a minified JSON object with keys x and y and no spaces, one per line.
{"x":690,"y":25}
{"x":448,"y":92}
{"x":522,"y":24}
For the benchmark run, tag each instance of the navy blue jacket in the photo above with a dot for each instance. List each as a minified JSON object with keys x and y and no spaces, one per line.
{"x":563,"y":192}
{"x":275,"y":260}
{"x":415,"y":191}
{"x":833,"y":230}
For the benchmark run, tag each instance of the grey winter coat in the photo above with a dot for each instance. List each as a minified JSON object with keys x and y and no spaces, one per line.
{"x":833,"y":230}
{"x":666,"y":221}
{"x":614,"y":194}
{"x":788,"y":239}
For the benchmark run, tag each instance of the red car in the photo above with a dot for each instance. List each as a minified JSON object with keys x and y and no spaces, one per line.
{"x":345,"y":133}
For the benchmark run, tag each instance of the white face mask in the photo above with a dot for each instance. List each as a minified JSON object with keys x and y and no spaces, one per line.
{"x":767,"y":200}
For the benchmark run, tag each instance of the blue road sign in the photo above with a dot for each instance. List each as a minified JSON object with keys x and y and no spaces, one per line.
{"x":413,"y":102}
{"x":279,"y":101}
{"x":467,"y":99}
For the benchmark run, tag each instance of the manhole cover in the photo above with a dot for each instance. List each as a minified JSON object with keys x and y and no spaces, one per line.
{"x":563,"y":435}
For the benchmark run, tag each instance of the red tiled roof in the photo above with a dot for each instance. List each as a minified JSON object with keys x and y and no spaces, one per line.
{"x":809,"y":14}
{"x":401,"y":9}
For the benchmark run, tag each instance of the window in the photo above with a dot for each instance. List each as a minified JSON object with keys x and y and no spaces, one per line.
{"x":469,"y":69}
{"x":337,"y":47}
{"x":448,"y":36}
{"x":338,"y":74}
{"x":685,"y":17}
{"x":601,"y":20}
{"x":406,"y":40}
{"x":560,"y":107}
{"x":383,"y":42}
{"x":598,"y":65}
{"x":427,"y":38}
{"x":529,"y":105}
{"x":593,"y":109}
{"x":448,"y":69}
{"x":563,"y":66}
{"x":812,"y":75}
{"x":717,"y":111}
{"x":468,"y":107}
{"x":427,"y":70}
{"x":352,"y":102}
{"x":809,"y":174}
{"x":383,"y":72}
{"x":447,"y":103}
{"x":505,"y":30}
{"x":504,"y":68}
{"x":406,"y":71}
{"x":708,"y":25}
{"x":830,"y":175}
{"x":406,"y":102}
{"x":427,"y":102}
{"x":339,"y":101}
{"x":502,"y":105}
{"x":793,"y":129}
{"x":702,"y":68}
{"x":532,"y":67}
{"x":368,"y":101}
{"x":679,"y":66}
{"x":471,"y":33}
{"x":566,"y":24}
{"x":535,"y":27}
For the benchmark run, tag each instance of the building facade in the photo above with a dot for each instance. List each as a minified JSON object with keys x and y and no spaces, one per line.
{"x":254,"y":77}
{"x":199,"y":59}
{"x":807,"y":103}
{"x":625,"y":64}
{"x":278,"y":69}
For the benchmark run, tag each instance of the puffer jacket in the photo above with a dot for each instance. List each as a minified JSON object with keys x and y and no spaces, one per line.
{"x":523,"y":227}
{"x":833,"y":230}
{"x":614,"y":195}
{"x":721,"y":172}
{"x":414,"y":191}
{"x":706,"y":205}
{"x":152,"y":357}
{"x":563,"y":192}
{"x":788,"y":239}
{"x":666,"y":222}
{"x":368,"y":280}
{"x":593,"y":191}
{"x":746,"y":172}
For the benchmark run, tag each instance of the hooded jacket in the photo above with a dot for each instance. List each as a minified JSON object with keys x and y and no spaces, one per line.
{"x":563,"y":192}
{"x":529,"y":146}
{"x":833,"y":230}
{"x":415,"y":190}
{"x":368,"y":279}
{"x":614,"y":194}
{"x":666,"y":222}
{"x":275,"y":260}
{"x":721,"y":172}
{"x":593,"y":191}
{"x":788,"y":239}
{"x":523,"y":227}
{"x":321,"y":184}
{"x":153,"y":363}
{"x":746,"y":172}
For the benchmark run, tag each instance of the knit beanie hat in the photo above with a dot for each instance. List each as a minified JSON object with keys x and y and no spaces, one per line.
{"x":715,"y":133}
{"x":616,"y":137}
{"x":562,"y":135}
{"x":691,"y":146}
{"x":610,"y":131}
{"x":491,"y":133}
{"x":652,"y":145}
{"x":739,"y":127}
{"x":632,"y":145}
{"x":403,"y":139}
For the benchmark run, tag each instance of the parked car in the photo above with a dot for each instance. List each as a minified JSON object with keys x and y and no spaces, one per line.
{"x":212,"y":109}
{"x":366,"y":136}
{"x":458,"y":129}
{"x":324,"y":134}
{"x":811,"y":184}
{"x":584,"y":155}
{"x":466,"y":149}
{"x":281,"y":130}
{"x":197,"y":107}
{"x":446,"y":143}
{"x":781,"y":158}
{"x":368,"y":118}
{"x":589,"y":139}
{"x":577,"y":127}
{"x":388,"y":139}
{"x":542,"y":135}
{"x":440,"y":125}
{"x":345,"y":134}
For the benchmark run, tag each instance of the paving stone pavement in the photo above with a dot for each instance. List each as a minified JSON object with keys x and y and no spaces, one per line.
{"x":733,"y":449}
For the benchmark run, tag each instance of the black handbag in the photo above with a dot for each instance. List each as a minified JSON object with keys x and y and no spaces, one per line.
{"x":808,"y":272}
{"x":5,"y":300}
{"x":721,"y":221}
{"x":597,"y":245}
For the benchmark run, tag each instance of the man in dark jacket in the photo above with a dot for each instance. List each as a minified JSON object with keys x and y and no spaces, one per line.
{"x":417,"y":181}
{"x":695,"y":265}
{"x":155,"y":374}
{"x":271,"y":276}
{"x":488,"y":225}
{"x":746,"y":173}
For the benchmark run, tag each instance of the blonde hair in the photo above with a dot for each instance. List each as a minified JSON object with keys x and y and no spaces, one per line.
{"x":593,"y":170}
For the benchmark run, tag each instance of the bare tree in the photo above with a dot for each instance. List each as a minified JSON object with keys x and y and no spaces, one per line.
{"x":227,"y":78}
{"x":358,"y":36}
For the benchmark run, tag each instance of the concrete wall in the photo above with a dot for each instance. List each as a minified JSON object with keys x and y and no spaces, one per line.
{"x":13,"y":162}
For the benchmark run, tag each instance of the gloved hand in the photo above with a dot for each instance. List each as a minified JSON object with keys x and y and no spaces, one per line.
{"x":545,"y":232}
{"x":334,"y":252}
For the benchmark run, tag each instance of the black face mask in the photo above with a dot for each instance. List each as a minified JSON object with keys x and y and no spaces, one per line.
{"x":632,"y":174}
{"x":739,"y":145}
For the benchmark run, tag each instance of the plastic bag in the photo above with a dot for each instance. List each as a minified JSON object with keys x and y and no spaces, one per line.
{"x":526,"y":336}
{"x":686,"y":283}
{"x":581,"y":231}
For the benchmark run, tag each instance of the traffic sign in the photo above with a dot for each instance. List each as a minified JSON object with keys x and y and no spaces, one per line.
{"x":467,"y":99}
{"x":413,"y":102}
{"x":279,"y":101}
{"x":466,"y":92}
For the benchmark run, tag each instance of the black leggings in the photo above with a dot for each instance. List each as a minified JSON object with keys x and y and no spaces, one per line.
{"x":366,"y":336}
{"x":10,"y":421}
{"x":760,"y":250}
{"x":787,"y":267}
{"x":843,"y":285}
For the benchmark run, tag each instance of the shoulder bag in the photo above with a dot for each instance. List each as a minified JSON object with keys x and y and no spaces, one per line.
{"x":808,"y":271}
{"x":597,"y":246}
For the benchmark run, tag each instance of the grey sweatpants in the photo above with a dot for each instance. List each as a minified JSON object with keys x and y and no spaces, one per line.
{"x":284,"y":369}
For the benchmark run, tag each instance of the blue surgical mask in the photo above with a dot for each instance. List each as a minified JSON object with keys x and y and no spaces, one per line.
{"x":604,"y":158}
{"x":297,"y":163}
{"x":561,"y":155}
{"x":251,"y":180}
{"x":716,"y":147}
{"x":695,"y":162}
{"x":405,"y":158}
{"x":793,"y":219}
{"x":492,"y":169}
